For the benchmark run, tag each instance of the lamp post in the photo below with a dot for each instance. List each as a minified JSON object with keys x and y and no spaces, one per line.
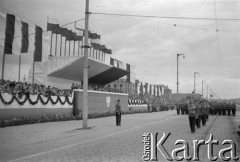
{"x":194,"y":90}
{"x":177,"y":78}
{"x":202,"y":87}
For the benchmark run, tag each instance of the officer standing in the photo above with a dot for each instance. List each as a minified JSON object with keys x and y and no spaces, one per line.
{"x":118,"y":113}
{"x":192,"y":114}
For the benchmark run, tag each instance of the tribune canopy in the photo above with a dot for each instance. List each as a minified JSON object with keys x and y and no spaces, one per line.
{"x":98,"y":72}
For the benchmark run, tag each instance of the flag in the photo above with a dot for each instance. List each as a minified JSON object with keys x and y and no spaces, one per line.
{"x":54,"y":28}
{"x":19,"y":36}
{"x":136,"y":86}
{"x":146,"y":88}
{"x":38,"y":44}
{"x":150,"y":89}
{"x":25,"y":41}
{"x":111,"y":61}
{"x":9,"y":34}
{"x":141,"y":88}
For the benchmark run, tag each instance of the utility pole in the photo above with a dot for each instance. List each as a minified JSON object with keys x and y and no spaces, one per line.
{"x":85,"y":69}
{"x":177,"y":79}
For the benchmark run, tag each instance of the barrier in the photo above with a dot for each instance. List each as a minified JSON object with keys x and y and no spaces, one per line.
{"x":37,"y":105}
{"x":33,"y":105}
{"x":104,"y":101}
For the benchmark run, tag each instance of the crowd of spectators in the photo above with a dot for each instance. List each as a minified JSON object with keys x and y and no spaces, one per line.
{"x":106,"y":88}
{"x":24,"y":88}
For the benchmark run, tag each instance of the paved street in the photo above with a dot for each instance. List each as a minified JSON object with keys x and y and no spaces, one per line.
{"x":65,"y":141}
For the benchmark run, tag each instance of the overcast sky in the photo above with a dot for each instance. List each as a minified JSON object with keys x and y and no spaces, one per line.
{"x":151,"y":44}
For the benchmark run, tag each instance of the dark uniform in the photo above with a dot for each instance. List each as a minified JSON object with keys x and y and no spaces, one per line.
{"x":192,"y":114}
{"x":224,"y":107}
{"x":233,"y":107}
{"x":178,"y":109}
{"x":204,"y":112}
{"x":186,"y":108}
{"x":220,"y":108}
{"x":211,"y":108}
{"x":199,"y":115}
{"x":182,"y":108}
{"x":229,"y":109}
{"x":118,"y":113}
{"x":207,"y":110}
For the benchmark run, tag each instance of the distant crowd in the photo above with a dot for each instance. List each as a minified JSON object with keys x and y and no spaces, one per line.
{"x":23,"y":88}
{"x":106,"y":88}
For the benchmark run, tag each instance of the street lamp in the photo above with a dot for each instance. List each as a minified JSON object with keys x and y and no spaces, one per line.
{"x":177,"y":77}
{"x":194,"y":90}
{"x":202,"y":87}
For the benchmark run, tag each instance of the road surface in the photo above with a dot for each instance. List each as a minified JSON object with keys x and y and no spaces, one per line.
{"x":66,"y":141}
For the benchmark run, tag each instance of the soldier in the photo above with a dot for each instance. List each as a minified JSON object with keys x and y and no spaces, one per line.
{"x":224,"y":108}
{"x":192,"y":114}
{"x":178,"y":109}
{"x":204,"y":107}
{"x":217,"y":108}
{"x":229,"y":108}
{"x":182,"y":108}
{"x":207,"y":110}
{"x":199,"y":115}
{"x":186,"y":108}
{"x":220,"y":108}
{"x":118,"y":113}
{"x":234,"y":106}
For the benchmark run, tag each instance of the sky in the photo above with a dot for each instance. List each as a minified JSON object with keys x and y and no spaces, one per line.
{"x":151,"y":44}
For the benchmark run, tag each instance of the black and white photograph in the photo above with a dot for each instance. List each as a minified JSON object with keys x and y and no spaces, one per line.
{"x":119,"y":80}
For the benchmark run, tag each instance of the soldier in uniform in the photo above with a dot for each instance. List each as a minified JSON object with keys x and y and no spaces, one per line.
{"x":224,"y":107}
{"x":204,"y":112}
{"x":182,"y":108}
{"x":186,"y":108}
{"x":118,"y":113}
{"x":234,"y":106}
{"x":229,"y":108}
{"x":192,"y":114}
{"x":199,"y":114}
{"x":178,"y":109}
{"x":220,"y":108}
{"x":207,"y":110}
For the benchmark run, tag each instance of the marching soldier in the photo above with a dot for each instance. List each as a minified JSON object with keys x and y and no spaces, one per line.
{"x":186,"y":108}
{"x":234,"y":106}
{"x":192,"y":114}
{"x":229,"y":108}
{"x":182,"y":108}
{"x":224,"y":108}
{"x":178,"y":109}
{"x":211,"y":108}
{"x":118,"y":113}
{"x":199,"y":115}
{"x":220,"y":108}
{"x":207,"y":110}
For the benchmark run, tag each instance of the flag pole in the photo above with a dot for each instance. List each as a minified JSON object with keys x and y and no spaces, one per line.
{"x":33,"y":70}
{"x":85,"y":69}
{"x":19,"y":68}
{"x":3,"y":63}
{"x":56,"y":46}
{"x":61,"y":46}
